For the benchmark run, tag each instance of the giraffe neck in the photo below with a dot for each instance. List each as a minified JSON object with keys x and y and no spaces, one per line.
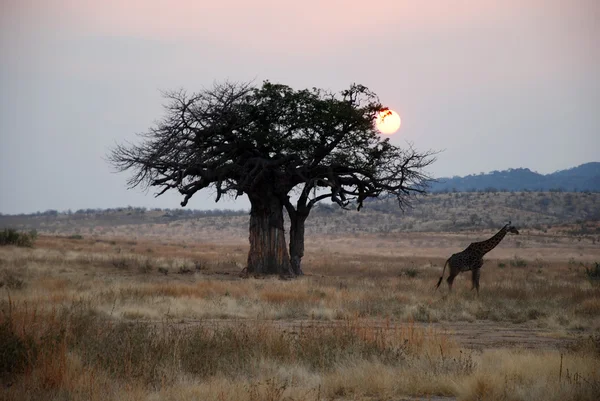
{"x":491,"y":243}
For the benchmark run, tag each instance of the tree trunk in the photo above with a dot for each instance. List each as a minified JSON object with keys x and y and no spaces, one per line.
{"x":268,"y":253}
{"x":297,"y":221}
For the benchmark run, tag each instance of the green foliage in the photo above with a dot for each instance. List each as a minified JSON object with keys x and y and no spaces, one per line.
{"x":10,"y":236}
{"x":75,"y":236}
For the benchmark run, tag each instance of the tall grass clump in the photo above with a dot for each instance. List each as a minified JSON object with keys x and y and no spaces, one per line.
{"x":36,"y":345}
{"x":44,"y":350}
{"x":31,"y":342}
{"x":238,"y":349}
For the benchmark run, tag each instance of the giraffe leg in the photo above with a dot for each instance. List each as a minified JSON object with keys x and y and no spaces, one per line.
{"x":475,"y":279}
{"x":450,"y":280}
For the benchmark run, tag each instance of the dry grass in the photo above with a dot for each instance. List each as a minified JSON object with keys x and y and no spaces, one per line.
{"x":202,"y":283}
{"x":45,"y":350}
{"x":76,"y":354}
{"x":95,"y":319}
{"x":528,"y":376}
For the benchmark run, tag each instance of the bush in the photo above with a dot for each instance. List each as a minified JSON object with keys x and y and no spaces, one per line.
{"x":518,"y":262}
{"x":13,"y":352}
{"x":11,"y":280}
{"x":593,"y":273}
{"x":410,"y":272}
{"x":10,"y":236}
{"x":26,"y":340}
{"x":146,"y":266}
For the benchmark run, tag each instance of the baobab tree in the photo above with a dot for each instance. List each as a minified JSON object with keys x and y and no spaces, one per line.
{"x":283,"y":148}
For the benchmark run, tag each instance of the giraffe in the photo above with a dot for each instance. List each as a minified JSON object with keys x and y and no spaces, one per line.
{"x":472,"y":258}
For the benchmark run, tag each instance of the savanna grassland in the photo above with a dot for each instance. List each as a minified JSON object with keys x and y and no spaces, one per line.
{"x":168,"y":318}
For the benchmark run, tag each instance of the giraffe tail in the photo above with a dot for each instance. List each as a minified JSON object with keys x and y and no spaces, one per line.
{"x":441,"y":278}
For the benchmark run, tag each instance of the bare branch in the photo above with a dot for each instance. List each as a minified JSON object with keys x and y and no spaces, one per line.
{"x":241,"y":139}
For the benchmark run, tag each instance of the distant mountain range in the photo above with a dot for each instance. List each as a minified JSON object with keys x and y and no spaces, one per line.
{"x":584,"y":178}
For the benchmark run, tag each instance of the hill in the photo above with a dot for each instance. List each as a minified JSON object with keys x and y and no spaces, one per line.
{"x":585,"y":177}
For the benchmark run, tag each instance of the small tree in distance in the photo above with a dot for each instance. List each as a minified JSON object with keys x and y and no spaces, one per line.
{"x":268,"y":142}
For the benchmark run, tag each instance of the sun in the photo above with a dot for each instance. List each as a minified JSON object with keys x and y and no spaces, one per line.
{"x":388,"y":122}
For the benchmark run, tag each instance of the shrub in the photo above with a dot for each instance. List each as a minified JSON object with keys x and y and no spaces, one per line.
{"x":11,"y":281}
{"x":28,"y":339}
{"x":13,"y":351}
{"x":593,"y":273}
{"x":518,"y":262}
{"x":121,"y":262}
{"x":590,"y":345}
{"x":184,"y":269}
{"x":200,"y":265}
{"x":10,"y":236}
{"x":146,"y":266}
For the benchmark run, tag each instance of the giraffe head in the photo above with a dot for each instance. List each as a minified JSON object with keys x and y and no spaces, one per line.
{"x":511,"y":229}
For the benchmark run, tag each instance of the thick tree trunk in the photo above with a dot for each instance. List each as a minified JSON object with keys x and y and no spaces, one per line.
{"x":297,"y":242}
{"x":268,"y":253}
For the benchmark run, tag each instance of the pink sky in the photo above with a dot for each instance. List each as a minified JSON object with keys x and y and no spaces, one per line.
{"x":495,"y":84}
{"x":544,"y":30}
{"x":248,"y":20}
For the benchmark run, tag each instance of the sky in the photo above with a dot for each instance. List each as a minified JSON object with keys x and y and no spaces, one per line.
{"x":491,"y":84}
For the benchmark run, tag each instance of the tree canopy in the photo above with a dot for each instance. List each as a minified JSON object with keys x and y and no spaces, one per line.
{"x":269,"y":142}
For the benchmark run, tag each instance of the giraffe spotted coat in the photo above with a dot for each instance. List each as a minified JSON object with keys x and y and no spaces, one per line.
{"x":471,"y":259}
